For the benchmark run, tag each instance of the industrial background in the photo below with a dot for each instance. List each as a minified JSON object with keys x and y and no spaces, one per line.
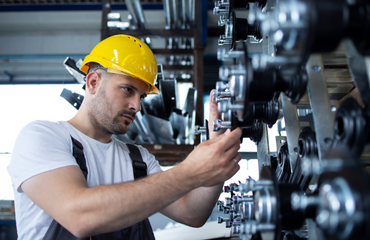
{"x":293,"y":74}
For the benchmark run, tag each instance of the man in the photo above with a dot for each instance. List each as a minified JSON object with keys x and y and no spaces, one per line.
{"x":49,"y":184}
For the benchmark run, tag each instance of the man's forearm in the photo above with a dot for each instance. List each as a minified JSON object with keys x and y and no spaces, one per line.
{"x":202,"y":201}
{"x":113,"y":207}
{"x":195,"y":207}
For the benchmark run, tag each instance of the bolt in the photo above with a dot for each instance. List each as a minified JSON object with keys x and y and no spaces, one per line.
{"x":199,"y":129}
{"x":224,"y":40}
{"x":218,"y":125}
{"x":223,"y":55}
{"x":225,"y":220}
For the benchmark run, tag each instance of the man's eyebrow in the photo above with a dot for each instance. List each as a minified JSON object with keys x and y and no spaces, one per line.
{"x":129,"y":85}
{"x":134,"y":88}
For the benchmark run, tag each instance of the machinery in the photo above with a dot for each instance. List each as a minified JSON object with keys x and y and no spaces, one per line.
{"x":315,"y":59}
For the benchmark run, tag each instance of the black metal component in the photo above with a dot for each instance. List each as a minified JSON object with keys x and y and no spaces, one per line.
{"x":329,"y":12}
{"x":259,"y":92}
{"x":274,"y":163}
{"x":248,"y":79}
{"x":71,"y":66}
{"x":286,"y":217}
{"x":73,"y":98}
{"x":298,"y":177}
{"x":297,"y":86}
{"x":243,"y":4}
{"x":163,"y":104}
{"x":239,"y":4}
{"x":71,"y":63}
{"x":307,"y":150}
{"x":307,"y":143}
{"x":343,"y":19}
{"x":358,"y":26}
{"x":292,"y":236}
{"x":351,"y":128}
{"x":253,"y":132}
{"x":251,"y":128}
{"x":256,"y":91}
{"x":289,"y":219}
{"x":242,"y":29}
{"x":283,"y":170}
{"x":267,"y":112}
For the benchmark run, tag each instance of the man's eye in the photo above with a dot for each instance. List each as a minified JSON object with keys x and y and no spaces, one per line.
{"x":127,"y":89}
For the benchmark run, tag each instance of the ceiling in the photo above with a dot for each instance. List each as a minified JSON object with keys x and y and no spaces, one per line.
{"x":32,"y":2}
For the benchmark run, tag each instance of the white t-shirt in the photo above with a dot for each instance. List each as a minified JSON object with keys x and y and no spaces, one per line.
{"x":42,"y":146}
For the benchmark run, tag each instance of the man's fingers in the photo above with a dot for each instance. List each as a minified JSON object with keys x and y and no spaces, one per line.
{"x":232,"y":137}
{"x":213,"y":106}
{"x":228,"y":137}
{"x":236,"y":158}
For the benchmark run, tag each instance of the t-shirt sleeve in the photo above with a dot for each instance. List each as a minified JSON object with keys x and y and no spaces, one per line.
{"x":41,"y":146}
{"x":152,"y":163}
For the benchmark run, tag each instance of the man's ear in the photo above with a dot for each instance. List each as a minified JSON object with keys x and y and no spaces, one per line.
{"x":92,"y":82}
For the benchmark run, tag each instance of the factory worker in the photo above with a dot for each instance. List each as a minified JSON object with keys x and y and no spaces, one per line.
{"x":74,"y":180}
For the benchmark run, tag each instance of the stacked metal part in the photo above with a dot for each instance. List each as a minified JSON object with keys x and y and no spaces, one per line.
{"x":319,"y":188}
{"x":179,"y":14}
{"x":160,"y":120}
{"x":136,"y":19}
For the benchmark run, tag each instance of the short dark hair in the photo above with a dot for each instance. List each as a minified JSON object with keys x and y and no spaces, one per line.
{"x":93,"y":66}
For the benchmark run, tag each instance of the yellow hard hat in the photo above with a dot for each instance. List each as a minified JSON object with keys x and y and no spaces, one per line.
{"x":128,"y":55}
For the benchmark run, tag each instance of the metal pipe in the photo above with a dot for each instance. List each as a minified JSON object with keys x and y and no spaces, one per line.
{"x":183,"y":19}
{"x":137,"y":13}
{"x":175,"y":13}
{"x":167,"y":13}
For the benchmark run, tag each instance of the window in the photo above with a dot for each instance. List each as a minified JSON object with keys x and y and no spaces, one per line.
{"x":21,"y":104}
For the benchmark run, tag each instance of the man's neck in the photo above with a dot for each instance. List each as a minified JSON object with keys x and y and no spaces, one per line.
{"x":83,"y":124}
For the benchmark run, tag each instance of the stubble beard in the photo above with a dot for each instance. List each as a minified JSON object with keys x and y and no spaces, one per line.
{"x":99,"y":115}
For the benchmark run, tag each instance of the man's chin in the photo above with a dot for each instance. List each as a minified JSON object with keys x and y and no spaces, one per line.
{"x":124,"y":128}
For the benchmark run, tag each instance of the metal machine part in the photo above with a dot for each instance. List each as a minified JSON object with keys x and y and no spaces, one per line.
{"x":283,"y":170}
{"x":71,"y":65}
{"x":307,"y":149}
{"x":238,"y":29}
{"x":273,"y":211}
{"x":203,"y":131}
{"x":319,"y":180}
{"x":351,"y":127}
{"x":225,"y":7}
{"x":246,"y":87}
{"x":339,"y":211}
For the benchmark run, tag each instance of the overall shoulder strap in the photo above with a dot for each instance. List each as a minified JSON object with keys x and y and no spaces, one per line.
{"x":78,"y":153}
{"x":138,"y":165}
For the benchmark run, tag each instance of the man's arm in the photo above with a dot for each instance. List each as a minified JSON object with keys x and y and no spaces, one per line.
{"x":194,"y":208}
{"x":64,"y":195}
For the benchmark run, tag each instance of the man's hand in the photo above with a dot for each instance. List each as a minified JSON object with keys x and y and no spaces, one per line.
{"x":213,"y":115}
{"x":215,"y":160}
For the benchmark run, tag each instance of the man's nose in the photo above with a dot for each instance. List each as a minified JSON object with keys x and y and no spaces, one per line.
{"x":135,"y":103}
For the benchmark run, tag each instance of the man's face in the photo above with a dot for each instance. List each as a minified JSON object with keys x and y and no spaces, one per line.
{"x":114,"y":106}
